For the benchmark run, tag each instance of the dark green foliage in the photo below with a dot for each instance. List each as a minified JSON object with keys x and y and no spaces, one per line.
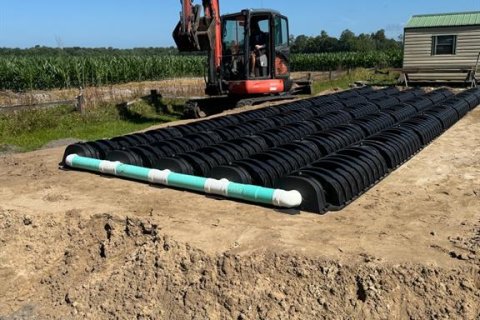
{"x":348,"y":42}
{"x":85,"y":52}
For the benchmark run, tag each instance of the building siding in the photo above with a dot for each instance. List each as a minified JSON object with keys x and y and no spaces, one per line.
{"x":418,"y":51}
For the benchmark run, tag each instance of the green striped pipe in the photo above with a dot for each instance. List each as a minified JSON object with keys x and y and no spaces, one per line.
{"x":256,"y":194}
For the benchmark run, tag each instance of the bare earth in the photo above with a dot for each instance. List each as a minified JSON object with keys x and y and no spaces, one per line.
{"x":170,"y":88}
{"x":75,"y":245}
{"x":182,"y":87}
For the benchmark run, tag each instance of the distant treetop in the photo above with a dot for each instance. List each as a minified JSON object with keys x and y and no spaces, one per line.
{"x":81,"y":52}
{"x":348,"y":42}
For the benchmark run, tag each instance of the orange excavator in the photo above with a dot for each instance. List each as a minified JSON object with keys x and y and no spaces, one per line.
{"x":248,"y":56}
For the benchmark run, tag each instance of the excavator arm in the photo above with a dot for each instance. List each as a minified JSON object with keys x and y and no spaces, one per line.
{"x":202,"y":33}
{"x":185,"y":33}
{"x":186,"y":16}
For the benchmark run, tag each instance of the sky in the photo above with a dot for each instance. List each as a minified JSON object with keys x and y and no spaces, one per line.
{"x":149,"y":23}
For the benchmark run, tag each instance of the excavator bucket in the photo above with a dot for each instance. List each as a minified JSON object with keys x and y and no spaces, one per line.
{"x":185,"y":42}
{"x":200,"y":38}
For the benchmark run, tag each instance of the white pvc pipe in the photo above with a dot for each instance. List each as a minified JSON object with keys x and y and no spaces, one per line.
{"x":276,"y":197}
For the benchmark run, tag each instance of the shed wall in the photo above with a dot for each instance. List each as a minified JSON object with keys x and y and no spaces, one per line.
{"x":418,"y":51}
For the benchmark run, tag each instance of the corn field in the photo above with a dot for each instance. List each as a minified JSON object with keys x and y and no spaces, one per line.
{"x":346,"y":60}
{"x":26,"y":73}
{"x":37,"y":73}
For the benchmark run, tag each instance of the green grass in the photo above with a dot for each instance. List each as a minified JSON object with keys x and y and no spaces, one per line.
{"x":30,"y":130}
{"x":360,"y":74}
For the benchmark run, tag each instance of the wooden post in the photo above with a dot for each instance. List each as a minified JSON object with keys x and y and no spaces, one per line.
{"x":80,"y":104}
{"x":154,"y":95}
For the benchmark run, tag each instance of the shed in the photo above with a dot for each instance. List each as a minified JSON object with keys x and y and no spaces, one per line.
{"x":442,"y":47}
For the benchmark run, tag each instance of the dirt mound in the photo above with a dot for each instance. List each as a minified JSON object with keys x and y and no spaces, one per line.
{"x":127,"y":268}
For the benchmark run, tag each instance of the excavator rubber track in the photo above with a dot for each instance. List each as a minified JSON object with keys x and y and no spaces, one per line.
{"x":204,"y":107}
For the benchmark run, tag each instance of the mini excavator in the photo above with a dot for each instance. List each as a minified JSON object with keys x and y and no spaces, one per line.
{"x":248,"y":56}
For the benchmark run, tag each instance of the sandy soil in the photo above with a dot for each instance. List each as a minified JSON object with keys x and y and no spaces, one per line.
{"x":75,"y":245}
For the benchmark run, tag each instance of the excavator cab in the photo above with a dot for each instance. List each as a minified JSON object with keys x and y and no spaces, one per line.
{"x":255,"y":49}
{"x":248,"y":55}
{"x":248,"y":52}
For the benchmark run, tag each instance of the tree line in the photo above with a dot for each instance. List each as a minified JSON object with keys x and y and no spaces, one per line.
{"x":323,"y":43}
{"x":348,"y":42}
{"x":42,"y":51}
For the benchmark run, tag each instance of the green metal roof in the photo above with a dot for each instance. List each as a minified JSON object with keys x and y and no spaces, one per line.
{"x":444,"y":20}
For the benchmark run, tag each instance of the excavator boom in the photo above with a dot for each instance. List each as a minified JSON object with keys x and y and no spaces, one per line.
{"x":196,"y":33}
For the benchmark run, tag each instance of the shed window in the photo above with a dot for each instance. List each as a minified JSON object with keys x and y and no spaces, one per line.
{"x":444,"y":45}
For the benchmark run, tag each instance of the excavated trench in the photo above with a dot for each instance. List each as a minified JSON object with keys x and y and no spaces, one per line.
{"x":330,"y":148}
